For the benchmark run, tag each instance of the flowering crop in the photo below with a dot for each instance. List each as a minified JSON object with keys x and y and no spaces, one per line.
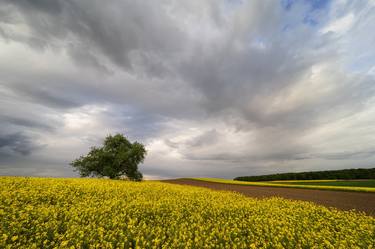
{"x":292,"y":184}
{"x":92,"y":213}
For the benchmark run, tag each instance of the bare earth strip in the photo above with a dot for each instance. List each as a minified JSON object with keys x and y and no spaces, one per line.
{"x":364,"y":202}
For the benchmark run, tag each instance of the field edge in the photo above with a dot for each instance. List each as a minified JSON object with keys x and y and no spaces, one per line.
{"x":263,"y":184}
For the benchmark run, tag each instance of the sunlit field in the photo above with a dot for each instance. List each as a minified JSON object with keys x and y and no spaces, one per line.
{"x":92,"y":213}
{"x":355,"y":186}
{"x":345,"y":183}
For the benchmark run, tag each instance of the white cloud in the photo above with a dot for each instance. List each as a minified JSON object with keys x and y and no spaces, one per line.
{"x":340,"y":25}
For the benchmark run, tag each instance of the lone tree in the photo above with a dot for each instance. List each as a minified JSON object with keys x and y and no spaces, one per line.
{"x":117,"y":157}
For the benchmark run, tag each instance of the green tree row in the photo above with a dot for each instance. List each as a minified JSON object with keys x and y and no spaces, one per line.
{"x":345,"y":174}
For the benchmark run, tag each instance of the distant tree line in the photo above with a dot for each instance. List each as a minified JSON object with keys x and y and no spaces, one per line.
{"x":345,"y":174}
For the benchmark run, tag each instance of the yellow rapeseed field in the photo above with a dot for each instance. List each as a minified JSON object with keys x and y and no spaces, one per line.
{"x":284,"y":184}
{"x":92,"y":213}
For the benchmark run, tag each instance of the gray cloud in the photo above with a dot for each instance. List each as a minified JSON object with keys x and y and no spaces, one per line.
{"x":27,"y":123}
{"x":114,"y":30}
{"x":17,"y":143}
{"x":50,"y":97}
{"x":208,"y":137}
{"x":212,"y":88}
{"x":346,"y":155}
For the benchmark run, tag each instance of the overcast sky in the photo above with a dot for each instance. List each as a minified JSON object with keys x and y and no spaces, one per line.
{"x":212,"y":88}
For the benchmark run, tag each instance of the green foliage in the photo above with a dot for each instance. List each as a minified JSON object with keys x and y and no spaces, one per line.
{"x":348,"y":174}
{"x":117,"y":157}
{"x":292,"y":184}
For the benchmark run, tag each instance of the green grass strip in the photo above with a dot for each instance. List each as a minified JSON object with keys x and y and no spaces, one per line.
{"x":268,"y":184}
{"x":338,"y":183}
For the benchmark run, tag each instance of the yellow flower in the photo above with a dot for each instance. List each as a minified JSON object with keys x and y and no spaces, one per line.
{"x":98,"y":213}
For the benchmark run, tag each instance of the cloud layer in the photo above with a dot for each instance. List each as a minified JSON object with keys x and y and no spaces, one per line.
{"x":213,"y":88}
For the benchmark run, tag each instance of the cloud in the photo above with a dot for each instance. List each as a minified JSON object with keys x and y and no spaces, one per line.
{"x":340,"y":25}
{"x":17,"y":143}
{"x":89,"y":29}
{"x":212,"y":88}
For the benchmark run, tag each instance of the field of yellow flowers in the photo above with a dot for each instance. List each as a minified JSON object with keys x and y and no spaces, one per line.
{"x":306,"y":184}
{"x":94,"y":213}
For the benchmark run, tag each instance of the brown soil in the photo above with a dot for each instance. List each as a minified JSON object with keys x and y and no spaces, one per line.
{"x":364,"y":202}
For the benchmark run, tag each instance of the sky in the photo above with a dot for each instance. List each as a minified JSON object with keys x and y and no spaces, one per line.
{"x":211,"y":88}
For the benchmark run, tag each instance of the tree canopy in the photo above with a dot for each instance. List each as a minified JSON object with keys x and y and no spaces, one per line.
{"x":117,"y":157}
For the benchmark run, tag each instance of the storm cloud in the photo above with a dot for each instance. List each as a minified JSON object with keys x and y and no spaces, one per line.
{"x":212,"y":88}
